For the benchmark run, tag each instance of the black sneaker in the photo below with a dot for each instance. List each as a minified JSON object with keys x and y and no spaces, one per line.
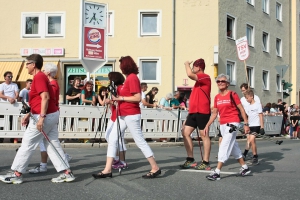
{"x":244,"y":172}
{"x":253,"y":161}
{"x":213,"y":176}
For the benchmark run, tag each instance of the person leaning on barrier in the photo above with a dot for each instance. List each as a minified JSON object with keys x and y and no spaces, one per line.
{"x":25,"y":91}
{"x":199,"y":114}
{"x":103,"y":94}
{"x":229,"y":120}
{"x":144,"y":103}
{"x":164,"y":102}
{"x":43,"y":108}
{"x":88,"y":96}
{"x":73,"y":93}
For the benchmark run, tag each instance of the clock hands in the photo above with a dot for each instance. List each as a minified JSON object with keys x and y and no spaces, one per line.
{"x":93,"y":18}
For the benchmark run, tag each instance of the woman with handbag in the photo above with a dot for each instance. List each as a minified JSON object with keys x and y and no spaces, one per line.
{"x":228,"y":105}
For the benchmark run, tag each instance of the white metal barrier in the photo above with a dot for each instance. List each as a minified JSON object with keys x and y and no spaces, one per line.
{"x":81,"y":121}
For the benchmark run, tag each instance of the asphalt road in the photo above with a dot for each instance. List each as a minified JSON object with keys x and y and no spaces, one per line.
{"x":276,"y":177}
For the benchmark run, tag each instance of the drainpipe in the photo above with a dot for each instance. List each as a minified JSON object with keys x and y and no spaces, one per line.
{"x":173,"y":46}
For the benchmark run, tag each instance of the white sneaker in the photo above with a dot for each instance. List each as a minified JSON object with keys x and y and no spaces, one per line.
{"x":38,"y":169}
{"x":63,"y":178}
{"x":68,"y":157}
{"x":11,"y":177}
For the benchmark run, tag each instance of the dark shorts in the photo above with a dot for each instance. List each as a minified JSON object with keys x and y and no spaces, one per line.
{"x":197,"y":120}
{"x":254,"y":130}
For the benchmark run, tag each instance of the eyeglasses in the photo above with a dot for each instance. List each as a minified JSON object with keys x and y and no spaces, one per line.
{"x":222,"y":81}
{"x":29,"y":63}
{"x":9,"y":76}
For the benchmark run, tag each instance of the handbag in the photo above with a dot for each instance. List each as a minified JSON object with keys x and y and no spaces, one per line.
{"x":240,"y":115}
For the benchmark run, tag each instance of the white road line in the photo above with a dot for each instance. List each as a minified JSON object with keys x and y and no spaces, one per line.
{"x":205,"y":171}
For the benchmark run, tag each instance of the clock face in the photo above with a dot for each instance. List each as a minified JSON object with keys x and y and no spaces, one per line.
{"x":94,"y":15}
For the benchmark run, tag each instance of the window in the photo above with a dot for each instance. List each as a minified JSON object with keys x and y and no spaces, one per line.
{"x":230,"y":71}
{"x":265,"y":6}
{"x":278,"y":11}
{"x":278,"y":47}
{"x":43,"y":25}
{"x":278,"y":83}
{"x":150,"y":70}
{"x":250,"y":76}
{"x":250,"y":33}
{"x":265,"y":80}
{"x":265,"y":41}
{"x":110,"y":24}
{"x":230,"y":27}
{"x":150,"y":23}
{"x":251,"y":2}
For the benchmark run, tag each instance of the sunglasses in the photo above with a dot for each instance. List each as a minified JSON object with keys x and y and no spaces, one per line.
{"x":222,"y":81}
{"x":9,"y":76}
{"x":29,"y":63}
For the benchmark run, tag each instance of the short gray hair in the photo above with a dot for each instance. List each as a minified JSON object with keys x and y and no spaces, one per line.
{"x":52,"y":68}
{"x":169,"y":96}
{"x":223,"y":76}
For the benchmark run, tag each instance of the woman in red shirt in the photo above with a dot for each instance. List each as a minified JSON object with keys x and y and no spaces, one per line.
{"x":229,"y":122}
{"x":128,"y":113}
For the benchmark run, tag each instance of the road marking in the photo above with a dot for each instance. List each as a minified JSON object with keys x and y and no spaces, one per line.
{"x":205,"y":171}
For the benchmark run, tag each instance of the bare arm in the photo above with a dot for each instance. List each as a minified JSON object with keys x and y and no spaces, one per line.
{"x":44,"y":107}
{"x":135,"y":98}
{"x":73,"y":97}
{"x":189,"y":72}
{"x":146,"y":102}
{"x":102,"y":103}
{"x":84,"y":100}
{"x":261,"y":118}
{"x":211,"y":120}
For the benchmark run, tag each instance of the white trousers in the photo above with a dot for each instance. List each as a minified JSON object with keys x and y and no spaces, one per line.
{"x":132,"y":122}
{"x":229,"y":145}
{"x":31,"y":140}
{"x":109,"y":129}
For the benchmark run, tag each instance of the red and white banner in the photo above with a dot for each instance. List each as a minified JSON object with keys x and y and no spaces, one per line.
{"x":242,"y":48}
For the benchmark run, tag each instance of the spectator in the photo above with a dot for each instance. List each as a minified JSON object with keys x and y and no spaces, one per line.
{"x":281,"y":110}
{"x":174,"y":103}
{"x":25,"y":91}
{"x":88,"y":96}
{"x":150,"y":97}
{"x":182,"y":101}
{"x":244,"y":88}
{"x":103,"y":95}
{"x":294,"y":124}
{"x":267,"y":108}
{"x":73,"y":93}
{"x":9,"y":91}
{"x":164,"y":102}
{"x":144,"y":103}
{"x":273,"y":109}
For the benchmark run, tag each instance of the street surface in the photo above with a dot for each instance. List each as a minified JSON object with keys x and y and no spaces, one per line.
{"x":276,"y":177}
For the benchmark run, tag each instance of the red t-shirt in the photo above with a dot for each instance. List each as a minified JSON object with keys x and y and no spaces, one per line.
{"x":131,"y":86}
{"x":200,"y":99}
{"x":40,"y":83}
{"x":55,"y":88}
{"x":227,"y":110}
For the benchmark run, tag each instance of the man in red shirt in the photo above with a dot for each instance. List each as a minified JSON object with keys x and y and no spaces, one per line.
{"x":199,"y":114}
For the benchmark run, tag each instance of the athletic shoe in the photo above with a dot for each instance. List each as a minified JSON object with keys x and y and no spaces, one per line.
{"x":38,"y":169}
{"x":11,"y":177}
{"x":120,"y":165}
{"x":115,"y":162}
{"x":189,"y":164}
{"x":68,"y":157}
{"x":63,"y":178}
{"x":244,"y":172}
{"x":203,"y":166}
{"x":213,"y":176}
{"x":254,"y":161}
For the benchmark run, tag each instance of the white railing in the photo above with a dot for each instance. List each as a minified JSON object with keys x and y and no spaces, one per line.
{"x":80,"y":121}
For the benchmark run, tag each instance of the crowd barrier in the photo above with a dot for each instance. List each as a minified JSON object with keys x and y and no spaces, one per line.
{"x":81,"y":121}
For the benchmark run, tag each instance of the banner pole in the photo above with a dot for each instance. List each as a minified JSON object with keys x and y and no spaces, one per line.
{"x":246,"y":74}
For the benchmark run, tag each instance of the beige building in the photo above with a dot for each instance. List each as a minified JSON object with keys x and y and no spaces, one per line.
{"x":161,"y":36}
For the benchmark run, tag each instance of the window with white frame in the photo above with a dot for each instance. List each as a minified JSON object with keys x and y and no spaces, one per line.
{"x":230,"y":32}
{"x":150,"y":70}
{"x":278,"y":47}
{"x":278,"y":83}
{"x":265,"y":6}
{"x":265,"y":80}
{"x":150,"y":23}
{"x":43,"y":24}
{"x":110,"y":24}
{"x":230,"y":71}
{"x":250,"y":74}
{"x":265,"y":41}
{"x":278,"y":11}
{"x":250,"y":35}
{"x":251,"y":2}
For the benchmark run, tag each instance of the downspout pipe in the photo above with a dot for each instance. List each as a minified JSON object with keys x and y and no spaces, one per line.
{"x":173,"y":46}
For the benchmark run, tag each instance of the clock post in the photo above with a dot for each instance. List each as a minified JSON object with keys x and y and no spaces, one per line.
{"x":93,"y":33}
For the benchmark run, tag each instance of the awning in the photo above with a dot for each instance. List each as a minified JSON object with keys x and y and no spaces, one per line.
{"x":24,"y":74}
{"x":14,"y":67}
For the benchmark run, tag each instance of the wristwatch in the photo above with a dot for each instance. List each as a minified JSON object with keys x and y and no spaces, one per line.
{"x":42,"y":115}
{"x":246,"y":124}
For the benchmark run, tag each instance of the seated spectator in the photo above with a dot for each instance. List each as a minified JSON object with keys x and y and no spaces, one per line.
{"x":267,"y":108}
{"x":164,"y":102}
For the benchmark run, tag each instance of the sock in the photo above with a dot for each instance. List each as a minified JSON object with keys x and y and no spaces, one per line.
{"x":207,"y":163}
{"x":217,"y":171}
{"x":245,"y":152}
{"x":255,"y":156}
{"x":18,"y":174}
{"x":66,"y":171}
{"x":190,"y":159}
{"x":117,"y":158}
{"x":122,"y":162}
{"x":44,"y":165}
{"x":245,"y":166}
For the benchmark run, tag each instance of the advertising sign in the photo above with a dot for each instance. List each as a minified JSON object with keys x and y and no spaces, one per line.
{"x":93,"y":43}
{"x":242,"y":48}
